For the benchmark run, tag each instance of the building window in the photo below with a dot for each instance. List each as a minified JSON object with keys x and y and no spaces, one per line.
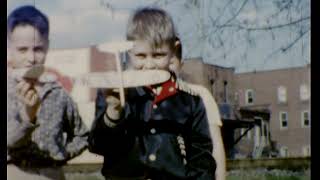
{"x":306,"y":151}
{"x":304,"y":92}
{"x":283,"y":120}
{"x":249,"y":96}
{"x":284,"y":151}
{"x":282,"y":94}
{"x":225,"y":91}
{"x":305,"y":119}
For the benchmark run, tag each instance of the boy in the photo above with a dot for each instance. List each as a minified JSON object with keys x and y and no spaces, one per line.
{"x":212,"y":112}
{"x":162,"y":133}
{"x":44,"y":129}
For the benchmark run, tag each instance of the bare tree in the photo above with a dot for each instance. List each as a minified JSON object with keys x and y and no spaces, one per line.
{"x":235,"y":28}
{"x":232,"y":30}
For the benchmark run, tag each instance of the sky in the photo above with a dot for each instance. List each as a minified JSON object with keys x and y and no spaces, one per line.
{"x":83,"y":23}
{"x":80,"y":23}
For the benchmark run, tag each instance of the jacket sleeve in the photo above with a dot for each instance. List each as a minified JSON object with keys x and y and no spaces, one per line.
{"x":200,"y":162}
{"x":77,"y":132}
{"x":105,"y":139}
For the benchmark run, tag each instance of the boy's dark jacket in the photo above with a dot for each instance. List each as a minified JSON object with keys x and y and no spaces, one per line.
{"x":147,"y":141}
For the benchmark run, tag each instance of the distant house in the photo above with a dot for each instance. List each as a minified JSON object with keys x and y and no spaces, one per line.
{"x":256,"y":107}
{"x":286,"y":93}
{"x":220,"y":81}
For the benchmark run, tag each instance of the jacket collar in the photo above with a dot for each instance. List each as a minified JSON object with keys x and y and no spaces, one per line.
{"x":164,"y":90}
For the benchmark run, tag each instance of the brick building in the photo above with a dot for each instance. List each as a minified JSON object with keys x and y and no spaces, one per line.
{"x":219,"y":80}
{"x":221,"y":83}
{"x":270,"y":109}
{"x":286,"y":93}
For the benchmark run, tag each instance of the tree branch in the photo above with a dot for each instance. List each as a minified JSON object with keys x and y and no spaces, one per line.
{"x":214,"y":22}
{"x":284,"y":49}
{"x":229,"y":20}
{"x":237,"y":13}
{"x":266,"y":27}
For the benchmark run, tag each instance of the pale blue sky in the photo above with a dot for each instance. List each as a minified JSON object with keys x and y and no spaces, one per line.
{"x":81,"y":23}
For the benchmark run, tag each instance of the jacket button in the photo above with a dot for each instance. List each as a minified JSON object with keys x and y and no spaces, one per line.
{"x":182,"y":146}
{"x":180,"y":141}
{"x":152,"y":157}
{"x":153,"y":131}
{"x":183,"y":152}
{"x":184,"y":161}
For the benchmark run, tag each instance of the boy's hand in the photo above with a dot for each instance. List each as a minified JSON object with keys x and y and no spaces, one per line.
{"x":114,"y":108}
{"x":27,"y":94}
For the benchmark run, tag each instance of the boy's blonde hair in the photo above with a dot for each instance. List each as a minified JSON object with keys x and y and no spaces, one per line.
{"x":152,"y":25}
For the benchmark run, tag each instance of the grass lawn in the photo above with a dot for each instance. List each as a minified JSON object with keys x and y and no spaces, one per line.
{"x":268,"y":177}
{"x":262,"y":177}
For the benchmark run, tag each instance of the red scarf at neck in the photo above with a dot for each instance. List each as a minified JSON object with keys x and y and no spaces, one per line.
{"x":164,"y":90}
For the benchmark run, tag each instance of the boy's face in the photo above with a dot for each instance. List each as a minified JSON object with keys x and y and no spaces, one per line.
{"x":144,"y":57}
{"x":27,"y":47}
